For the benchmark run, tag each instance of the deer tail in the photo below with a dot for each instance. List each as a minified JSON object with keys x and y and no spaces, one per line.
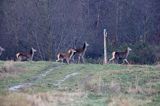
{"x":113,"y":56}
{"x":58,"y":57}
{"x":17,"y":55}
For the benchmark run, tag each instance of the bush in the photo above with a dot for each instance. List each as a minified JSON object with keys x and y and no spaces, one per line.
{"x":143,"y":54}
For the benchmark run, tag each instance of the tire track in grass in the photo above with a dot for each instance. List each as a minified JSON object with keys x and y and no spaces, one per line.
{"x":36,"y":78}
{"x":59,"y":82}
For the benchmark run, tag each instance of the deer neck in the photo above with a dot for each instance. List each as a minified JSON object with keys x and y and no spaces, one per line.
{"x":127,"y":53}
{"x":31,"y":54}
{"x":84,"y":47}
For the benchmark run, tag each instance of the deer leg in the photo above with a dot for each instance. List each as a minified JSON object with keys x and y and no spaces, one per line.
{"x":79,"y":59}
{"x":116,"y":60}
{"x":57,"y":60}
{"x":19,"y":58}
{"x":125,"y":60}
{"x":113,"y":57}
{"x":29,"y":59}
{"x":111,"y":60}
{"x":72,"y":58}
{"x":62,"y":60}
{"x":67,"y":61}
{"x":83,"y":59}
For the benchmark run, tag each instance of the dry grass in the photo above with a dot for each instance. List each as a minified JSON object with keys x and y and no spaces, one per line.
{"x":15,"y":100}
{"x":127,"y":101}
{"x":145,"y":91}
{"x":96,"y":84}
{"x":40,"y":99}
{"x":10,"y":69}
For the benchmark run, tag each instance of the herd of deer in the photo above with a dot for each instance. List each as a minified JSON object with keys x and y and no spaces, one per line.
{"x":72,"y":52}
{"x":69,"y":55}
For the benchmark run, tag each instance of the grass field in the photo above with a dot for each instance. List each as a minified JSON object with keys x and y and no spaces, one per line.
{"x":55,"y":84}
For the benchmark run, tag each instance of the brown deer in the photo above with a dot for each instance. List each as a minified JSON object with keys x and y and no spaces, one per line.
{"x":81,"y":52}
{"x":26,"y":56}
{"x":120,"y":55}
{"x":1,"y":50}
{"x":65,"y":56}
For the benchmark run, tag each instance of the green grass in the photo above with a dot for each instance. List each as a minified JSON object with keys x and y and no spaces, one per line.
{"x":31,"y":70}
{"x":101,"y":85}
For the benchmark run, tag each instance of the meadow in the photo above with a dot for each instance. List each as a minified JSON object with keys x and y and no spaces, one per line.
{"x":45,"y":83}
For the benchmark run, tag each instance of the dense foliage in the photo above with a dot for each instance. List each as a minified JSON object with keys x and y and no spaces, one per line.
{"x":51,"y":26}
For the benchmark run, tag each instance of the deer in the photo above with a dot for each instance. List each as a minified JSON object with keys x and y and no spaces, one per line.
{"x":65,"y":56}
{"x":26,"y":56}
{"x":121,"y":55}
{"x":81,"y":52}
{"x":1,"y":50}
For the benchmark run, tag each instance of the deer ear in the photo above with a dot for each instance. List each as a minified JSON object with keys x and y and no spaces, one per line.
{"x":86,"y":43}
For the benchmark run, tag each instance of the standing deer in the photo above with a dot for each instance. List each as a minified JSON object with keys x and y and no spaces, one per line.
{"x":65,"y":56}
{"x":121,"y":55}
{"x":1,"y":50}
{"x":81,"y":52}
{"x":25,"y":56}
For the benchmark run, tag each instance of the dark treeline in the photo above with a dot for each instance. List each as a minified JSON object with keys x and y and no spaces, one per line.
{"x":51,"y":26}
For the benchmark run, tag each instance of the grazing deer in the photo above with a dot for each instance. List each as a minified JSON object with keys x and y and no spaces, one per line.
{"x":121,"y":55}
{"x":81,"y":52}
{"x":1,"y":50}
{"x":65,"y":56}
{"x":22,"y":56}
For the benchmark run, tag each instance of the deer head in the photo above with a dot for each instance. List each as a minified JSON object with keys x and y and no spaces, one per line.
{"x":34,"y":50}
{"x":86,"y":44}
{"x":71,"y":51}
{"x":129,"y":49}
{"x":2,"y":49}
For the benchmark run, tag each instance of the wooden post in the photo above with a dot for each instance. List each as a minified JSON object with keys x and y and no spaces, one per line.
{"x":105,"y":47}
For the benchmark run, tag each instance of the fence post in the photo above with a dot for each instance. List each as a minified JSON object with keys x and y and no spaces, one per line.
{"x":105,"y":46}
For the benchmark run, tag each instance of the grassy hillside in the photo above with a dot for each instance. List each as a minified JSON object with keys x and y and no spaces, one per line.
{"x":54,"y":84}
